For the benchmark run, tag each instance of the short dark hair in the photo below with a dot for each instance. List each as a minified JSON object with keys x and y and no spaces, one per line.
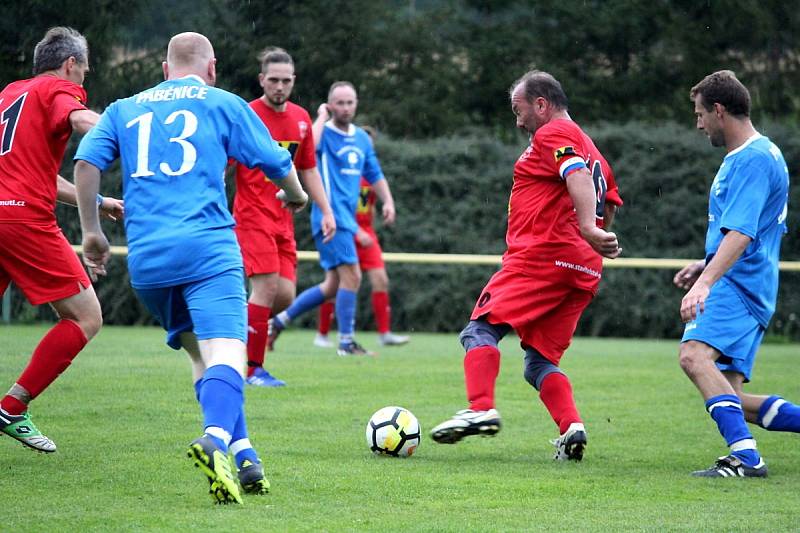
{"x":274,"y":54}
{"x":58,"y":45}
{"x":723,"y":87}
{"x":538,"y":83}
{"x":337,"y":84}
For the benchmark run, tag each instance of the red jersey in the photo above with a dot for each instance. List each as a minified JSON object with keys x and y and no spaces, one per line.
{"x":34,"y":130}
{"x":543,"y":235}
{"x":255,"y":205}
{"x":365,"y":211}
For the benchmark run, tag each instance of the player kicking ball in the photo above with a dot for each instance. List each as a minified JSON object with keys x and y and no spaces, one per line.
{"x":563,"y":195}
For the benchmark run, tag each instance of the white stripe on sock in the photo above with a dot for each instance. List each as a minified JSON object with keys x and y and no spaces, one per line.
{"x":239,"y":445}
{"x":744,"y":444}
{"x":724,"y":403}
{"x":220,"y":433}
{"x":772,"y":412}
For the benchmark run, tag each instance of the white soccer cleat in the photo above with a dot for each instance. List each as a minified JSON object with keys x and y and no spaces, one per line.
{"x":570,"y":445}
{"x":465,"y":423}
{"x":322,"y":341}
{"x":392,"y":339}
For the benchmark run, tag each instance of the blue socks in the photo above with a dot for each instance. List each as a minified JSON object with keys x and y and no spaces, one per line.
{"x":346,"y":314}
{"x":726,"y":410}
{"x":306,"y":301}
{"x":240,"y":445}
{"x":221,"y":399}
{"x":776,"y":414}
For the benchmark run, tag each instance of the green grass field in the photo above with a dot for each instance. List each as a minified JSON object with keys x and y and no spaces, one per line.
{"x":123,"y":414}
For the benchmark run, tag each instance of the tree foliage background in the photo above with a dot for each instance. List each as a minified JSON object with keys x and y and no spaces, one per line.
{"x":433,"y":77}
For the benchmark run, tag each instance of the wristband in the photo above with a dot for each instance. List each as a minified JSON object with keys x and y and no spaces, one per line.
{"x":99,"y":200}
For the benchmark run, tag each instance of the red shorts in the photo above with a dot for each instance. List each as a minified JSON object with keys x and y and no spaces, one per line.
{"x":543,"y":313}
{"x":40,"y":261}
{"x":266,"y":253}
{"x":370,"y":257}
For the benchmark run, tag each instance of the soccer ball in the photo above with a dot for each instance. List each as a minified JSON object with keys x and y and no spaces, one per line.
{"x":393,"y":431}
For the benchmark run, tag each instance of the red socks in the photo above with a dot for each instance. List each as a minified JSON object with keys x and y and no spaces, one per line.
{"x":556,"y":394}
{"x":326,"y":310}
{"x":481,"y":366}
{"x":51,"y":357}
{"x":257,"y":318}
{"x":382,"y":311}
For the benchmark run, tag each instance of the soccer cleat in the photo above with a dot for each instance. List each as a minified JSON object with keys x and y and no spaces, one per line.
{"x":262,"y":378}
{"x":352,"y":348}
{"x":570,"y":445}
{"x":322,"y":341}
{"x":465,"y":423}
{"x":251,"y":477}
{"x":216,"y":466}
{"x":273,"y":330}
{"x":22,"y":428}
{"x":391,"y":339}
{"x":731,"y":466}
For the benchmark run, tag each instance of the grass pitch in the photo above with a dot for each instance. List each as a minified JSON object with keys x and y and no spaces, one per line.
{"x":124,"y":413}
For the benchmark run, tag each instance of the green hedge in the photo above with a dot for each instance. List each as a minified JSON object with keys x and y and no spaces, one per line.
{"x":452,"y":196}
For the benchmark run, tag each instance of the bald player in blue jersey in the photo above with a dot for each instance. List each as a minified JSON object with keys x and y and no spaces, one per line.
{"x":174,"y":141}
{"x":732,"y":292}
{"x":344,"y":154}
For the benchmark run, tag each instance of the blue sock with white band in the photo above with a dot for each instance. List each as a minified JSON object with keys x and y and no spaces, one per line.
{"x":241,"y":448}
{"x":221,"y":399}
{"x":776,"y":414}
{"x":726,"y":410}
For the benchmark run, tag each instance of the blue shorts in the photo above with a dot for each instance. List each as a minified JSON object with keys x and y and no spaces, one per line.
{"x":212,"y":308}
{"x":729,"y":328}
{"x":341,"y":250}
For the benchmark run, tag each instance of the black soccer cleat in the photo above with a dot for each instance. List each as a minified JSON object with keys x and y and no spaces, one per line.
{"x":570,"y":445}
{"x":731,"y":466}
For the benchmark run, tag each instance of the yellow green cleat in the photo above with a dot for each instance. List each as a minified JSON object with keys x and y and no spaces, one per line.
{"x":251,"y":477}
{"x":216,"y":466}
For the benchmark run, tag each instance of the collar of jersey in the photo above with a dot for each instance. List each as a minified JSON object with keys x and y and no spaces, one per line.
{"x":351,"y":130}
{"x":756,"y":136}
{"x":194,"y":77}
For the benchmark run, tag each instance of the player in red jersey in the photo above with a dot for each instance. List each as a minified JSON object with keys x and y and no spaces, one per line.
{"x":264,"y":228}
{"x":370,"y":260}
{"x":563,"y":195}
{"x":37,"y":117}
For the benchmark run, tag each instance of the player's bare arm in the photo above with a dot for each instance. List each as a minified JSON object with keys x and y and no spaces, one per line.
{"x":82,"y":120}
{"x":323,"y":115}
{"x":110,"y":208}
{"x":291,"y":193}
{"x":384,"y":193}
{"x":313,"y":184}
{"x":729,"y":251}
{"x":364,"y":239}
{"x":686,"y":276}
{"x":581,"y":190}
{"x":96,"y":251}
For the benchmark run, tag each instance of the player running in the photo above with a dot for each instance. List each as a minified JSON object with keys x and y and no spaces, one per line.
{"x":563,"y":194}
{"x":38,"y":115}
{"x":175,"y":140}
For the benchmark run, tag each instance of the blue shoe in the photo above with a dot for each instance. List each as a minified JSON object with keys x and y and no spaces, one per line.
{"x":262,"y":378}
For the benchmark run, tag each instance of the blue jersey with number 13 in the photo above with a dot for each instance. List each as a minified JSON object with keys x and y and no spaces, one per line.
{"x":174,"y":141}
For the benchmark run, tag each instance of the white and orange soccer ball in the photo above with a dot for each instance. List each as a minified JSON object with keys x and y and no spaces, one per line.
{"x":393,"y":431}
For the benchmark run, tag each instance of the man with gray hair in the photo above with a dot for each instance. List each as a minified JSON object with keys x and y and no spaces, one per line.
{"x":175,"y":140}
{"x":38,"y":116}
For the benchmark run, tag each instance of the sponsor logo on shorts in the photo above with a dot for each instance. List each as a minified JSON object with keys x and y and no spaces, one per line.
{"x":690,"y":326}
{"x":484,"y":299}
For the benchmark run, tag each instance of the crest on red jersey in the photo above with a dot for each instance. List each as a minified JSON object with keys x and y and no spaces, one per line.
{"x":562,"y":152}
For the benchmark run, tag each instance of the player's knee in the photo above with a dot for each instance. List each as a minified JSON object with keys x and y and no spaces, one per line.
{"x":479,"y":333}
{"x":690,"y":358}
{"x":537,"y":367}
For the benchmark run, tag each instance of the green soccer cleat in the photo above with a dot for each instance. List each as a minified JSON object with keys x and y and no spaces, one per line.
{"x":22,"y":428}
{"x":251,"y":477}
{"x":215,"y":465}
